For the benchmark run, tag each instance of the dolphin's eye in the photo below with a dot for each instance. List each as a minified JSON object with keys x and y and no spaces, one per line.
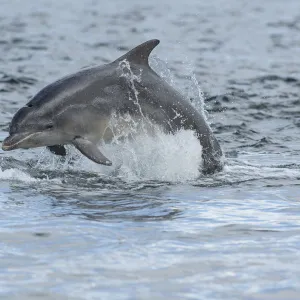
{"x":29,"y":105}
{"x":49,"y":126}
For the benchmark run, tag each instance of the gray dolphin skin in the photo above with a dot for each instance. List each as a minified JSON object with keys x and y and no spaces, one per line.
{"x":77,"y":109}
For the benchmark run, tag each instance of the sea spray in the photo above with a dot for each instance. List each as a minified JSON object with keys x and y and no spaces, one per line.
{"x":139,"y":149}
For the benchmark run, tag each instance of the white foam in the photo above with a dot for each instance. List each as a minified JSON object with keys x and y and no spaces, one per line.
{"x":159,"y":156}
{"x":237,"y":171}
{"x":15,"y":174}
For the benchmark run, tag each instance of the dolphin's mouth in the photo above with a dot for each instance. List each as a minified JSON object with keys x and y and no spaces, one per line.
{"x":14,"y":141}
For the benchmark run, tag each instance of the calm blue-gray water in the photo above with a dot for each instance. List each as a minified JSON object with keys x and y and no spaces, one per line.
{"x":153,"y":227}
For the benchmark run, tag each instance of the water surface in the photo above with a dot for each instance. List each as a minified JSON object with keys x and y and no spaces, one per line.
{"x":153,"y":227}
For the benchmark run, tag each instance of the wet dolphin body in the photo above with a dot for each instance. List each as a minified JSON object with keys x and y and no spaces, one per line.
{"x":77,"y":108}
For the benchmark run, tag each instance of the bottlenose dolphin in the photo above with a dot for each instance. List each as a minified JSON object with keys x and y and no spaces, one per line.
{"x":77,"y":108}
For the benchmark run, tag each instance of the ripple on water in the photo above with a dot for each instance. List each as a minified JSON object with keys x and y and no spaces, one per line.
{"x":153,"y":227}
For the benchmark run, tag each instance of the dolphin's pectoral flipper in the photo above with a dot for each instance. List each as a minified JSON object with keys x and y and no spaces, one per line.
{"x":58,"y":150}
{"x":91,"y":151}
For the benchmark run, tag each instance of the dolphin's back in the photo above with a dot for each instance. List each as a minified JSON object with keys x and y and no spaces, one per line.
{"x":64,"y":87}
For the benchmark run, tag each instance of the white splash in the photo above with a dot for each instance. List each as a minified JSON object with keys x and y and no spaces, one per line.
{"x":157,"y":156}
{"x":15,"y":174}
{"x":138,"y":156}
{"x":139,"y":150}
{"x":131,"y":78}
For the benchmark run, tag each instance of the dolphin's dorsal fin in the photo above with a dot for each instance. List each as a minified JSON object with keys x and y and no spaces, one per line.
{"x":140,"y":54}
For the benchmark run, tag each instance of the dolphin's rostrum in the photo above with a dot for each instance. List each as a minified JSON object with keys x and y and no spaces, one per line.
{"x":77,"y":109}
